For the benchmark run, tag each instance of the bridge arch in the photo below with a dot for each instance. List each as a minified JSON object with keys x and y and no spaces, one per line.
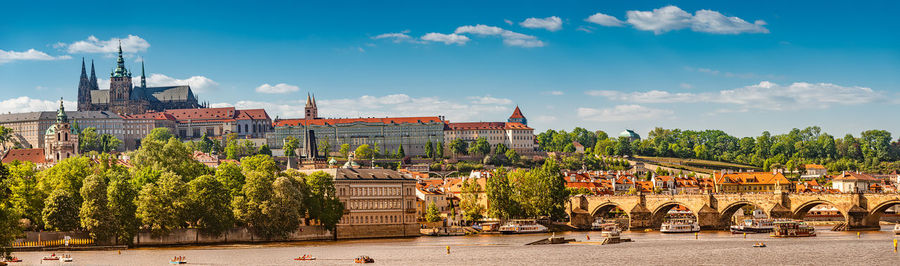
{"x":805,"y":207}
{"x":658,"y":215}
{"x":874,"y":217}
{"x":603,"y":211}
{"x":729,"y":211}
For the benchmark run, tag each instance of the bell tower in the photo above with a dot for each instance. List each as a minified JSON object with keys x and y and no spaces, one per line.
{"x":312,"y":112}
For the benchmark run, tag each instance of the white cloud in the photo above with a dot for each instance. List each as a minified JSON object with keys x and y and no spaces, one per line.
{"x":553,"y":23}
{"x":26,"y":104}
{"x":620,"y":113}
{"x":279,"y":88}
{"x":605,"y":20}
{"x":763,"y":96}
{"x":510,"y":38}
{"x":396,"y":37}
{"x":452,"y":38}
{"x":199,"y":84}
{"x":671,"y":18}
{"x":393,"y":105}
{"x":130,"y":44}
{"x":31,"y":54}
{"x":508,"y":21}
{"x":489,"y":100}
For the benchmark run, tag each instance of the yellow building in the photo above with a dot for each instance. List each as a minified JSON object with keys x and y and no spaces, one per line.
{"x":750,"y":182}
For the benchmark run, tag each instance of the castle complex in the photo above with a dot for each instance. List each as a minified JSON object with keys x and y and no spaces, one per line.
{"x":123,"y":97}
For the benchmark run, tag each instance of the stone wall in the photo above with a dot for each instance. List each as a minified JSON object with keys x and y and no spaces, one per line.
{"x":235,"y":235}
{"x":377,"y":231}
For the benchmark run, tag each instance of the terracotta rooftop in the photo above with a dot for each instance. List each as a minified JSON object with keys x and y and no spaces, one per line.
{"x":337,"y":121}
{"x":815,"y":166}
{"x":750,"y":178}
{"x":853,"y":176}
{"x":517,"y":113}
{"x":25,"y":155}
{"x":486,"y":126}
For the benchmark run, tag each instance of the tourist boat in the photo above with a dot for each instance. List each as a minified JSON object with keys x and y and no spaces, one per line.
{"x":51,"y":257}
{"x":305,"y":257}
{"x":792,"y":229}
{"x":364,"y":259}
{"x":13,"y":259}
{"x":522,"y":227}
{"x":752,"y":226}
{"x":683,"y":225}
{"x":609,"y":230}
{"x":759,"y":245}
{"x":897,"y":229}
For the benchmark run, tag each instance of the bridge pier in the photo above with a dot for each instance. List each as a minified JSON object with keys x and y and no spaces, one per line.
{"x":639,"y":218}
{"x":709,"y":219}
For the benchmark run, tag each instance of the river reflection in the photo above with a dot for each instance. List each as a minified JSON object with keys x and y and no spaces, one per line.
{"x":653,"y":248}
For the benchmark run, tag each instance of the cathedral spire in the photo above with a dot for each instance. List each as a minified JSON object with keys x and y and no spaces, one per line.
{"x":120,"y":70}
{"x":83,"y":72}
{"x":308,"y":100}
{"x":93,"y":80}
{"x":143,"y":77}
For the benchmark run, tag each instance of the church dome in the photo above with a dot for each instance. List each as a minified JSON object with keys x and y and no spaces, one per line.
{"x":630,"y":134}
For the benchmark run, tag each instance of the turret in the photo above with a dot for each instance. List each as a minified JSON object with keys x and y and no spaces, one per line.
{"x":312,"y":112}
{"x":517,"y":117}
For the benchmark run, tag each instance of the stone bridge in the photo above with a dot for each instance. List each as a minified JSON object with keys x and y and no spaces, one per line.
{"x":714,"y":211}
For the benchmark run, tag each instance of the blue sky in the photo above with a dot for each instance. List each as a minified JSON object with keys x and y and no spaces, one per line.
{"x":609,"y":65}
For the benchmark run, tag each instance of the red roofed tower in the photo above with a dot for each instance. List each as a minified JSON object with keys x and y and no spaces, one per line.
{"x":517,"y":117}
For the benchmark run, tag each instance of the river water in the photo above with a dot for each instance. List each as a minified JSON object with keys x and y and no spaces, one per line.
{"x":652,"y":248}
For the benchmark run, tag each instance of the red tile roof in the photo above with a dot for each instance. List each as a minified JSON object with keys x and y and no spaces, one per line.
{"x":337,"y":121}
{"x":517,"y":113}
{"x":25,"y":155}
{"x":814,"y":166}
{"x":853,"y":176}
{"x":252,"y":114}
{"x":485,"y":126}
{"x":149,"y":115}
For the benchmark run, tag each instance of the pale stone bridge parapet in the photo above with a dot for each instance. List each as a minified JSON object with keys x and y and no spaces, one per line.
{"x":714,"y":211}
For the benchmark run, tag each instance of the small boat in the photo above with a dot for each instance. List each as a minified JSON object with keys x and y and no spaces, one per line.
{"x":759,"y":245}
{"x":13,"y":259}
{"x":364,"y":259}
{"x":67,"y":259}
{"x":51,"y":257}
{"x":609,"y":230}
{"x":789,"y":228}
{"x":305,"y":257}
{"x":897,"y":229}
{"x":684,"y":225}
{"x":752,"y":226}
{"x":178,"y":260}
{"x":522,"y":227}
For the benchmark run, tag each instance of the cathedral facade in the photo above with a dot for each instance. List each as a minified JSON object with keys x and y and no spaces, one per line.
{"x":124,"y":98}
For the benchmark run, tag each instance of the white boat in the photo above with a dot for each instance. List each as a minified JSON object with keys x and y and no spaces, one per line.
{"x":679,"y":226}
{"x":752,"y":226}
{"x":522,"y":227}
{"x":610,"y":230}
{"x":897,"y":229}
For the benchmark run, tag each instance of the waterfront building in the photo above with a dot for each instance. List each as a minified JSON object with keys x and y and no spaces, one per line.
{"x":814,"y":171}
{"x":378,"y":202}
{"x":28,"y":129}
{"x":750,"y":182}
{"x":431,"y":195}
{"x":853,"y":182}
{"x":514,"y":134}
{"x":123,"y":97}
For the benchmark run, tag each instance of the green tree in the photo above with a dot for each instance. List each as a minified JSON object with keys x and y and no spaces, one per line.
{"x":120,"y":197}
{"x":230,"y":176}
{"x":284,"y":210}
{"x":459,"y":147}
{"x":232,"y":151}
{"x":161,"y":206}
{"x":432,"y":214}
{"x":364,"y":152}
{"x":259,"y":163}
{"x":206,"y":144}
{"x":209,"y":204}
{"x":170,"y":155}
{"x":481,"y":146}
{"x":95,"y":214}
{"x":264,"y":150}
{"x":325,"y":147}
{"x":61,"y":211}
{"x":68,"y":175}
{"x":345,"y":150}
{"x":429,"y":150}
{"x":440,"y":150}
{"x":256,"y":193}
{"x":25,"y":198}
{"x":512,"y":156}
{"x":322,"y":202}
{"x":291,"y":144}
{"x":472,"y":210}
{"x":400,"y":153}
{"x":500,"y":149}
{"x":501,"y":195}
{"x":541,"y":191}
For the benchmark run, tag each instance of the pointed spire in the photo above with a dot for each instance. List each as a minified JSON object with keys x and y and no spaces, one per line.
{"x":308,"y":100}
{"x":314,"y":100}
{"x":120,"y":70}
{"x":143,"y":77}
{"x":83,"y":72}
{"x":61,"y":116}
{"x":93,"y":80}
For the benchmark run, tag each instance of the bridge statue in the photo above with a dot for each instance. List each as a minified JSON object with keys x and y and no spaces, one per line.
{"x":861,"y":211}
